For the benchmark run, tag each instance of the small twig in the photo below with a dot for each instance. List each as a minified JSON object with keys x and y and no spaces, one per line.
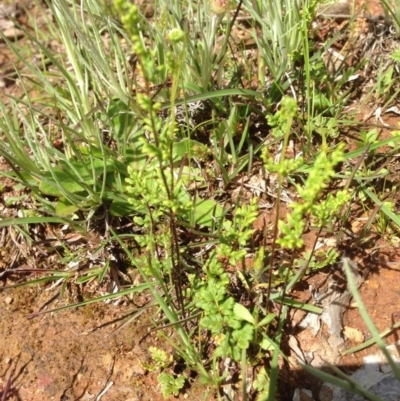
{"x":104,"y":391}
{"x":7,"y":387}
{"x":356,"y":167}
{"x":106,"y":386}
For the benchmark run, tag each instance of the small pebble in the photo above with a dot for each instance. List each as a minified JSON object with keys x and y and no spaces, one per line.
{"x":13,"y":33}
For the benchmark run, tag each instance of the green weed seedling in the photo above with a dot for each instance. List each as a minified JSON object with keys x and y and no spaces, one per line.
{"x":396,"y":56}
{"x":383,"y":221}
{"x":367,"y":137}
{"x":231,"y":332}
{"x":161,"y":360}
{"x":171,"y":385}
{"x":261,"y":384}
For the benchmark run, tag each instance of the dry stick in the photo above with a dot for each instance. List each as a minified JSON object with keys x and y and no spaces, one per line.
{"x":302,"y":270}
{"x":185,"y":320}
{"x":372,"y":215}
{"x":353,"y":173}
{"x":176,"y":263}
{"x":107,"y":384}
{"x":367,"y":124}
{"x":7,"y":387}
{"x":175,"y":254}
{"x":356,"y":167}
{"x":228,"y":33}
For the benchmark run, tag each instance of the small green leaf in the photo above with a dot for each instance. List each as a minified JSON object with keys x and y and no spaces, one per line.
{"x":261,"y":382}
{"x":396,"y":55}
{"x":243,"y":343}
{"x":268,"y":319}
{"x":59,"y":179}
{"x":121,"y":208}
{"x":267,"y":344}
{"x":64,"y":208}
{"x":205,"y":211}
{"x":13,"y":200}
{"x":161,"y":359}
{"x":170,"y":385}
{"x":120,"y":116}
{"x":190,"y":148}
{"x":243,"y":313}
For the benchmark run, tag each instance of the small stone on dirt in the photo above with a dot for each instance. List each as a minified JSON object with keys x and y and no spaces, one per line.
{"x":353,"y":334}
{"x":138,"y":369}
{"x":8,"y":300}
{"x":339,"y":8}
{"x":13,"y":33}
{"x":6,"y":24}
{"x":9,"y":10}
{"x":301,"y":394}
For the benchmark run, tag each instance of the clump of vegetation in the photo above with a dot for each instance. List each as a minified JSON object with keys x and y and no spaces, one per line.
{"x":157,"y":134}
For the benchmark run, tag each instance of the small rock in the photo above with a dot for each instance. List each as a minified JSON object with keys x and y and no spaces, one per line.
{"x":353,"y":334}
{"x":8,"y":300}
{"x":301,"y":394}
{"x":137,"y":369}
{"x":339,"y":8}
{"x":10,"y":10}
{"x":373,"y":283}
{"x":13,"y":33}
{"x":6,"y":24}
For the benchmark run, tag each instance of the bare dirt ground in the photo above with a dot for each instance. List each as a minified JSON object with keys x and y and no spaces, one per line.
{"x":74,"y":354}
{"x":58,"y":357}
